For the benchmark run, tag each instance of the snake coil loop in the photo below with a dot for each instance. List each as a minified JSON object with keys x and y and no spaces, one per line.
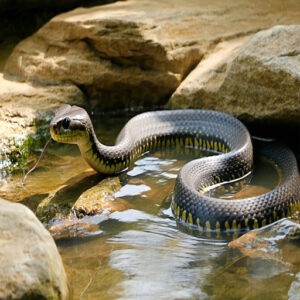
{"x":206,"y":129}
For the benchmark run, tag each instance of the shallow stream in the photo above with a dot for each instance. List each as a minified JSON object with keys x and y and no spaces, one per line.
{"x":141,"y":253}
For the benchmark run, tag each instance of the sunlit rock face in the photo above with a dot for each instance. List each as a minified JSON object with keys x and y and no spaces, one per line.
{"x":255,"y":79}
{"x":136,"y":52}
{"x":31,"y":267}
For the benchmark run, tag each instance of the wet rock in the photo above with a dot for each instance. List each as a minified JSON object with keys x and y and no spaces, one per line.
{"x":77,"y":207}
{"x":294,"y":290}
{"x":257,"y":80}
{"x":137,"y":52}
{"x":31,"y":267}
{"x":273,"y":242}
{"x":58,"y":204}
{"x":24,"y":109}
{"x":46,"y":179}
{"x":100,"y":199}
{"x":73,"y":227}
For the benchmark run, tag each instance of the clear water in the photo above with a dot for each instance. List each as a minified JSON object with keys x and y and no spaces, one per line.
{"x":140,"y":253}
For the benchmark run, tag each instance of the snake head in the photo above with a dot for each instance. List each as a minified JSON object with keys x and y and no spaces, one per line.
{"x":71,"y":124}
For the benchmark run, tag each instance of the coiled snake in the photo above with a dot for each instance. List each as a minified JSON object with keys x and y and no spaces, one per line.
{"x":215,"y":131}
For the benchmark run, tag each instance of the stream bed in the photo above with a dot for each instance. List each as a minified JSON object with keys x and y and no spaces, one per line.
{"x":140,"y":252}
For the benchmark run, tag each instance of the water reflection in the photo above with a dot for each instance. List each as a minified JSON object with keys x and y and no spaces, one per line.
{"x":161,"y":262}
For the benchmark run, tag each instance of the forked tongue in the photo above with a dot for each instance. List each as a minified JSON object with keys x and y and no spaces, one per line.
{"x":37,"y":162}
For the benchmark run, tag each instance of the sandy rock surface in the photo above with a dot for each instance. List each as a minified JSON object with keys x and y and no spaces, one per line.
{"x":136,"y":53}
{"x":31,"y":267}
{"x":258,"y":79}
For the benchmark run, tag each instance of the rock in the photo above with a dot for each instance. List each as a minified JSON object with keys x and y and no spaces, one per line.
{"x":21,"y":103}
{"x":73,"y":227}
{"x":76,"y":208}
{"x":31,"y":267}
{"x":200,"y":87}
{"x":137,"y":52}
{"x":294,"y":290}
{"x":100,"y":199}
{"x":260,"y":82}
{"x":25,"y":107}
{"x":59,"y":202}
{"x":244,"y":240}
{"x":265,"y":76}
{"x":272,"y":242}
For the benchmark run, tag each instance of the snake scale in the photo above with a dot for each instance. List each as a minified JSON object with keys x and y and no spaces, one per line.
{"x":223,"y":134}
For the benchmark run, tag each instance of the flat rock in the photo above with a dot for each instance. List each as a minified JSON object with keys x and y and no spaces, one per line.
{"x":31,"y":267}
{"x":136,"y":52}
{"x":258,"y":79}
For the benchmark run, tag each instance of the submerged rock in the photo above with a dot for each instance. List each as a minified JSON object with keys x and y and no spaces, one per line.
{"x":260,"y":81}
{"x":31,"y":267}
{"x":250,"y":191}
{"x":136,"y":52}
{"x":73,"y":227}
{"x":272,"y":242}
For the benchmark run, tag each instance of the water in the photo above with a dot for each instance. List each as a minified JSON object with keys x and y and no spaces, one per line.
{"x":141,"y":253}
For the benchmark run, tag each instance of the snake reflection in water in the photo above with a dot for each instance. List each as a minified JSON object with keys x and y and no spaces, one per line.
{"x":210,"y":130}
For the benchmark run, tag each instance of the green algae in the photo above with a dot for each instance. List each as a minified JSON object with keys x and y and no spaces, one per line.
{"x":18,"y":149}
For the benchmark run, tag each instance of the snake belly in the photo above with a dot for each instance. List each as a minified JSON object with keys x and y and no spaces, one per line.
{"x":205,"y":129}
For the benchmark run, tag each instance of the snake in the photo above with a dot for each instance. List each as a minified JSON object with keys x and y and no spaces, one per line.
{"x":222,"y":134}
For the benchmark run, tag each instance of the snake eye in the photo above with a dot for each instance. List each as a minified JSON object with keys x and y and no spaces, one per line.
{"x":65,"y":123}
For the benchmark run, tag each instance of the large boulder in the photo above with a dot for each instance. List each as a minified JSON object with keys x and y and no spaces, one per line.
{"x":137,"y":52}
{"x":258,"y":79}
{"x":31,"y":267}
